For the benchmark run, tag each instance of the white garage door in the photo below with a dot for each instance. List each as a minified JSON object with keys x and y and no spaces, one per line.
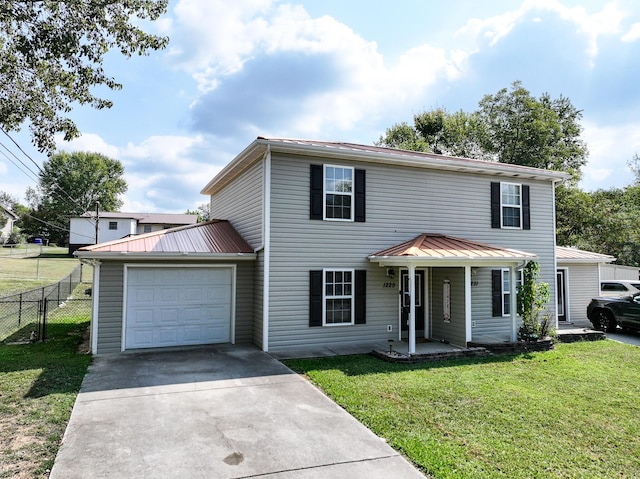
{"x":177,"y":306}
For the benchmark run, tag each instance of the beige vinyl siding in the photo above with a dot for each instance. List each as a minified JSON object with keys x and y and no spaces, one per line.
{"x":110,"y":308}
{"x":582,"y":285}
{"x":244,"y":301}
{"x":402,"y":202}
{"x":454,"y":330}
{"x":241,"y":203}
{"x":487,"y":327}
{"x":258,"y":298}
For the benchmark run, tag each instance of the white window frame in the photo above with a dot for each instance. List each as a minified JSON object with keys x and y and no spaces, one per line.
{"x":509,"y":205}
{"x":326,"y":297}
{"x":325,"y":192}
{"x":506,"y":289}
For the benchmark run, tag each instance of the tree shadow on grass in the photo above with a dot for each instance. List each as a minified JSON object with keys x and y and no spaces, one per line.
{"x":62,"y":367}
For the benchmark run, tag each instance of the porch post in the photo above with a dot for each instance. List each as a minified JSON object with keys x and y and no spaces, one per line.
{"x":412,"y":309}
{"x":514,"y":303}
{"x":467,"y":303}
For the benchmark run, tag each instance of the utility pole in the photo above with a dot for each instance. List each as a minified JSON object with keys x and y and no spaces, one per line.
{"x":97,"y":219}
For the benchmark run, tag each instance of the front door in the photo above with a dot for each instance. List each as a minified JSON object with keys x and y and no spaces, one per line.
{"x":561,"y":288}
{"x":405,"y":300}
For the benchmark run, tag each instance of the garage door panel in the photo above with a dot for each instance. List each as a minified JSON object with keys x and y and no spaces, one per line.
{"x":177,"y":306}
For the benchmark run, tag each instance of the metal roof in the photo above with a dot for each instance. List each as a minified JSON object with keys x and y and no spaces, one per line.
{"x":374,"y":154}
{"x":575,"y":255}
{"x":216,"y":237}
{"x":430,"y":246}
{"x":146,"y":218}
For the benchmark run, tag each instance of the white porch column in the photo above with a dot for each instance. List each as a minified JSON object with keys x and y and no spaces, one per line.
{"x":412,"y":309}
{"x":514,"y":303}
{"x":467,"y":302}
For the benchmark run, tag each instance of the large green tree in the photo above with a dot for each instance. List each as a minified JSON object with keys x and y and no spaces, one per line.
{"x":69,"y":185}
{"x":51,"y":57}
{"x":510,"y":126}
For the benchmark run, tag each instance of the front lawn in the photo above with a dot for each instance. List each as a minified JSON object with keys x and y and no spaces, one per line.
{"x":568,"y":413}
{"x":38,"y":386}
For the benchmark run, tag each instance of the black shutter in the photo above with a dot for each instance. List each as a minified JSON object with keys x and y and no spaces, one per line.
{"x":526,"y":209}
{"x":315,"y":298}
{"x":360,"y":188}
{"x":361,"y":296}
{"x":495,"y":205}
{"x":315,"y":210}
{"x":496,"y":292}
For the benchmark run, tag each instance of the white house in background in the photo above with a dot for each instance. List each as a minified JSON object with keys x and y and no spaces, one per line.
{"x":578,"y":280}
{"x":116,"y":225}
{"x":11,"y":218}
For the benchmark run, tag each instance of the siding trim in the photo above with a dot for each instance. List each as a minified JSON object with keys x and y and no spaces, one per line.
{"x":266,"y":237}
{"x":95,"y":307}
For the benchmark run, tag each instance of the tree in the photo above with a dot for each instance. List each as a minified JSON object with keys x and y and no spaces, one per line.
{"x":634,"y":164}
{"x":543,"y":133}
{"x":69,"y":185}
{"x":202,"y":212}
{"x":509,"y":127}
{"x":532,"y":298}
{"x":51,"y":55}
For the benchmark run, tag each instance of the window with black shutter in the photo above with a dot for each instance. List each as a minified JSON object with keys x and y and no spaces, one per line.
{"x":337,"y":193}
{"x":337,"y":297}
{"x":510,"y":206}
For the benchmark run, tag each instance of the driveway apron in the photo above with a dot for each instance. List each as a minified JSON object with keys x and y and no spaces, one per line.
{"x":214,"y":412}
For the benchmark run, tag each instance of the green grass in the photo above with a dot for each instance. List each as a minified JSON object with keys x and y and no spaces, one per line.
{"x":38,"y":386}
{"x":21,"y":273}
{"x":568,"y":413}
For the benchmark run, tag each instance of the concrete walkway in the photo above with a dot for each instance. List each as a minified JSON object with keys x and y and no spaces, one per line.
{"x":214,"y":412}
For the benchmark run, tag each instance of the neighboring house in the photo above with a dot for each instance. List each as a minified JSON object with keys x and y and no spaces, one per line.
{"x":616,"y":271}
{"x":578,"y":280}
{"x":7,"y":220}
{"x":324,"y":244}
{"x":116,"y":225}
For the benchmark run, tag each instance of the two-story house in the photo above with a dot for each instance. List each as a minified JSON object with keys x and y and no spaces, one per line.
{"x":322,"y":244}
{"x":109,"y":226}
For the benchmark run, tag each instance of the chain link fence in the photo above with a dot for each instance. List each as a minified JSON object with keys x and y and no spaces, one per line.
{"x":24,"y":316}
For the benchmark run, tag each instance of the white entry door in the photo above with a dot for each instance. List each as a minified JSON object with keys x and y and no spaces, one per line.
{"x":176,"y":306}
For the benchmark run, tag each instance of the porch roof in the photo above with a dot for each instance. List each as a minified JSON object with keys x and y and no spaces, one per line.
{"x":212,"y":239}
{"x":433,"y":249}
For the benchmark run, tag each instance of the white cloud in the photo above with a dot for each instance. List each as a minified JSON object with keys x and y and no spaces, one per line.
{"x":88,"y":142}
{"x":592,"y":26}
{"x":633,"y":34}
{"x":610,"y":149}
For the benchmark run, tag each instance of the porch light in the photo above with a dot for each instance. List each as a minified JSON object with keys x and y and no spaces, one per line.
{"x":391,"y":272}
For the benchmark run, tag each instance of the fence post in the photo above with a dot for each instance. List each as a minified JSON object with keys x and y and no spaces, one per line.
{"x":20,"y":311}
{"x":44,"y":320}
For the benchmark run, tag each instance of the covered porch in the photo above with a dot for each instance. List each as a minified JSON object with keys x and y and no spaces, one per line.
{"x":449,"y":265}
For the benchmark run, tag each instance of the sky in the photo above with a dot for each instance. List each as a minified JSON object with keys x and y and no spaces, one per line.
{"x":339,"y":70}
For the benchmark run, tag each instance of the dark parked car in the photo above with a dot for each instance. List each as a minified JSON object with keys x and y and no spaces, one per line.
{"x":607,"y":313}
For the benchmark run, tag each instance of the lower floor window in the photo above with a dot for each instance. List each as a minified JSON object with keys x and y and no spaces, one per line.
{"x":506,"y":290}
{"x":338,"y":300}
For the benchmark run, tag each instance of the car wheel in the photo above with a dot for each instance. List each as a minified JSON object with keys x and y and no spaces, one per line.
{"x":604,"y":321}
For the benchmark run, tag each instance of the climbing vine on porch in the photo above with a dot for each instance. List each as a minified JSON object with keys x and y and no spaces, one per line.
{"x":532,"y":298}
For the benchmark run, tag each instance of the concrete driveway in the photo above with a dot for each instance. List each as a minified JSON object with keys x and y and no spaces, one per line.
{"x":214,"y":412}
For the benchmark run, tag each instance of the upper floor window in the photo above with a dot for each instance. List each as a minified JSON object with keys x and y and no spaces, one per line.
{"x":510,"y":195}
{"x":113,"y":225}
{"x":338,"y":193}
{"x":510,"y":206}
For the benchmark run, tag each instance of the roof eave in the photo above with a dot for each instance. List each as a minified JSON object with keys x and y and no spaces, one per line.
{"x":447,"y":261}
{"x":257,"y":148}
{"x":125,"y":255}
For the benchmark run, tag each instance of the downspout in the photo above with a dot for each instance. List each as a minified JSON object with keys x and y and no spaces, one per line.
{"x":555,"y":258}
{"x":266,"y":246}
